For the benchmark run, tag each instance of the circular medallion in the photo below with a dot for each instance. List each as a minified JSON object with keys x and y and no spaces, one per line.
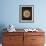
{"x":26,"y":13}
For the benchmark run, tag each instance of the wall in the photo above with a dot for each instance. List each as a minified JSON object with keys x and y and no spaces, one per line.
{"x":9,"y":13}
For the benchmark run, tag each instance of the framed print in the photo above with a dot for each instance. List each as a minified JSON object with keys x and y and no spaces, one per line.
{"x":26,"y":13}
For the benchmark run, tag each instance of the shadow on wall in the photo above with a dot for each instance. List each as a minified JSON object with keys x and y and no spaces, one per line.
{"x":2,"y":26}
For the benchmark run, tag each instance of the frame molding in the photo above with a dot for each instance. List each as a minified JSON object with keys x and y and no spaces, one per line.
{"x":20,"y":14}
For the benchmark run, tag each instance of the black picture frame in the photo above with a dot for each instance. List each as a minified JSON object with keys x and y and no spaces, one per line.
{"x":26,"y":13}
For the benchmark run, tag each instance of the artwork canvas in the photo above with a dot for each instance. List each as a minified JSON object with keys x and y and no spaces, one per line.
{"x":26,"y":13}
